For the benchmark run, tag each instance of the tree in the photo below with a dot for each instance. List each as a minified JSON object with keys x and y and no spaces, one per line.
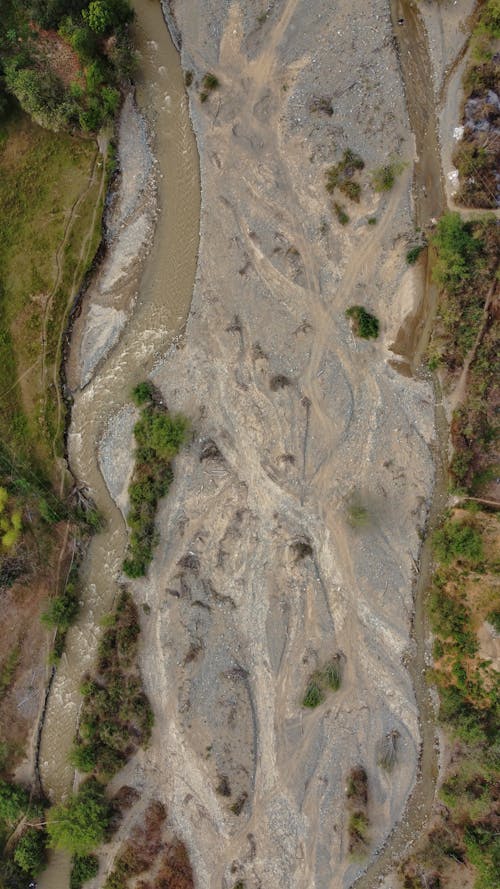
{"x":29,"y":853}
{"x":13,"y":801}
{"x":98,"y":16}
{"x":457,"y":251}
{"x":80,"y":824}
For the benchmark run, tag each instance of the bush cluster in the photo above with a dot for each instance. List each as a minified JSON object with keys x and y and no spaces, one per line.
{"x":159,"y":436}
{"x":80,"y":825}
{"x":95,"y":31}
{"x":116,"y":717}
{"x":328,"y":678}
{"x":341,"y":176}
{"x":365,"y":324}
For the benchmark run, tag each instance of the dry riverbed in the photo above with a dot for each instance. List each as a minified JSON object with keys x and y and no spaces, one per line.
{"x":264,"y":569}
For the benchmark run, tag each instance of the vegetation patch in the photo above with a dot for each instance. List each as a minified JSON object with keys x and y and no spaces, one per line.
{"x":357,"y":803}
{"x":465,"y":268}
{"x":116,"y":717}
{"x":328,"y":678}
{"x":477,"y":156}
{"x":384,"y":177}
{"x":23,"y":838}
{"x":151,"y":850}
{"x":64,"y":61}
{"x":159,"y":436}
{"x":341,"y":175}
{"x":80,"y":825}
{"x":413,"y":253}
{"x":364,"y":324}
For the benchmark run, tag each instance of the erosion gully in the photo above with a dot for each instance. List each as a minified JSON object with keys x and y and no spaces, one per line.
{"x":160,"y":313}
{"x":164,"y":297}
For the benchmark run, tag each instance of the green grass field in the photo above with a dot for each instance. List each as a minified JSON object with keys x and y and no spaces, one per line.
{"x":50,"y":185}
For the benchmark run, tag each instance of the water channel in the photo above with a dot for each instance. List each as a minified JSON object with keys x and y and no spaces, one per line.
{"x":160,"y":314}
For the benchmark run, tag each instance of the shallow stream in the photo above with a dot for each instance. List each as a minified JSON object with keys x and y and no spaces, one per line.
{"x":159,"y":315}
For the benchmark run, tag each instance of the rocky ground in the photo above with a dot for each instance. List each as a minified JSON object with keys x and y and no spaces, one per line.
{"x":263,"y":571}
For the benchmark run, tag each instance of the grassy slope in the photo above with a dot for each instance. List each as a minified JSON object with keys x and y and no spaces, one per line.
{"x":50,"y":210}
{"x":42,"y":177}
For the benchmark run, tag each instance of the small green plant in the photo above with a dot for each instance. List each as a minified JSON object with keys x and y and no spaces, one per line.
{"x":203,"y":96}
{"x":13,"y":801}
{"x":341,"y":214}
{"x":365,"y":324}
{"x":494,"y":619}
{"x":328,"y":678}
{"x":210,"y":82}
{"x":333,"y":674}
{"x":358,"y":827}
{"x":383,"y":178}
{"x":352,"y":190}
{"x":314,"y":695}
{"x":188,"y":78}
{"x":142,"y":393}
{"x":413,"y":253}
{"x":372,"y":220}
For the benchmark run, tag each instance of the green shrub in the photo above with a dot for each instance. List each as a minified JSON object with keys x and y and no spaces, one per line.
{"x":365,"y":324}
{"x":458,"y":540}
{"x":83,"y":868}
{"x":29,"y":853}
{"x":372,"y":220}
{"x":333,"y":674}
{"x":62,"y":610}
{"x":80,"y":825}
{"x":314,"y":695}
{"x":457,"y":251}
{"x":351,"y":189}
{"x":413,"y":253}
{"x":142,"y":393}
{"x":210,"y":82}
{"x":384,"y":177}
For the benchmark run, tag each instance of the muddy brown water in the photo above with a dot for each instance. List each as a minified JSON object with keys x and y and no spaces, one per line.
{"x":160,"y":313}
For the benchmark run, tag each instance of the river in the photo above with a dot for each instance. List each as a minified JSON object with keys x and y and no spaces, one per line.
{"x":160,"y":314}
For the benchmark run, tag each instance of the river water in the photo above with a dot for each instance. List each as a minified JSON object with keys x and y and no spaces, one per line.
{"x":160,"y":314}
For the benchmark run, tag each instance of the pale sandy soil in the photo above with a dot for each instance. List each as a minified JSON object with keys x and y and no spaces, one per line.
{"x":237,"y":622}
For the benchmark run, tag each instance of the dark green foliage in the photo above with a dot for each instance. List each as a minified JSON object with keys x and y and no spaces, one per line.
{"x":80,"y":825}
{"x":413,"y":253}
{"x":188,"y":78}
{"x":83,"y":868}
{"x":29,"y":853}
{"x":142,"y":393}
{"x":116,"y":717}
{"x":458,"y":540}
{"x":314,"y":695}
{"x":31,"y":73}
{"x":457,"y":251}
{"x":13,"y":802}
{"x":328,"y":678}
{"x":62,"y":609}
{"x":159,"y":436}
{"x":365,"y":324}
